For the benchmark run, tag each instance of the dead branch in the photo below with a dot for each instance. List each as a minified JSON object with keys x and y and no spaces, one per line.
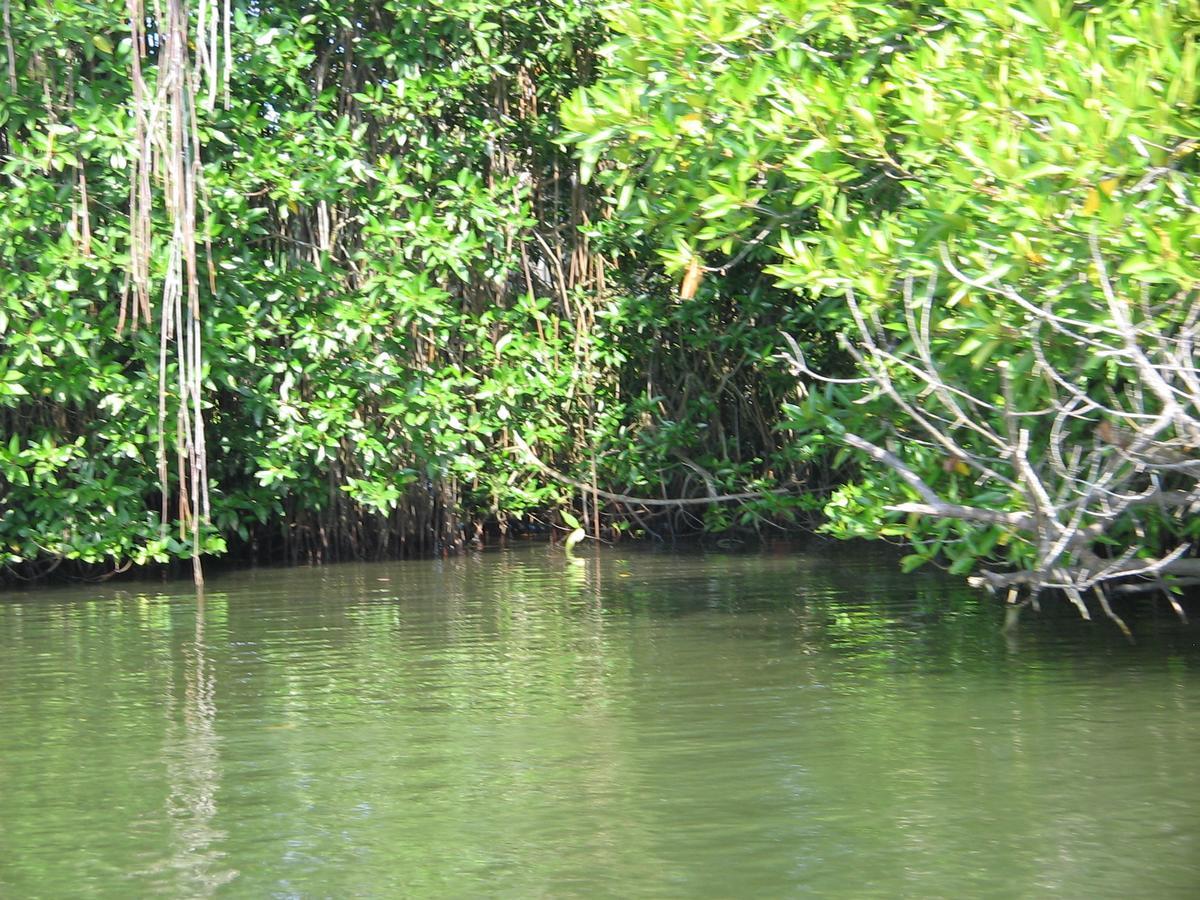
{"x":533,"y":459}
{"x":1084,"y":468}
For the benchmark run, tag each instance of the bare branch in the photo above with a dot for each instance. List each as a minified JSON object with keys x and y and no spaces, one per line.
{"x":712,"y":498}
{"x":1084,"y":469}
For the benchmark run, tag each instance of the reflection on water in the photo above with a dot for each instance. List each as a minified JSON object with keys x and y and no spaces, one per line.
{"x":643,"y":724}
{"x":192,"y":762}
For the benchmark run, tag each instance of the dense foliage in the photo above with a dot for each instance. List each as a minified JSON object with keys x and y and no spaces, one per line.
{"x":996,"y":204}
{"x":397,"y":272}
{"x":369,"y":189}
{"x":423,"y":295}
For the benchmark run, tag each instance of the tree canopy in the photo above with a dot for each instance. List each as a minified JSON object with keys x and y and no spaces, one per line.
{"x":348,"y":279}
{"x":994,"y":207}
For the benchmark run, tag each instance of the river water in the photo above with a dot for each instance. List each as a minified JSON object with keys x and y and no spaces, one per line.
{"x":806,"y":722}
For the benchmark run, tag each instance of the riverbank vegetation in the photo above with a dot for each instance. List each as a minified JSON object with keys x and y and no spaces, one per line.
{"x":353,"y":280}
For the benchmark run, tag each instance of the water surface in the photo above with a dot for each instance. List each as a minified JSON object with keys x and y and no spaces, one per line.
{"x":804,"y":722}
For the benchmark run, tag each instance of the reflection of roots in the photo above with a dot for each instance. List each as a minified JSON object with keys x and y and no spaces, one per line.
{"x":193,"y":771}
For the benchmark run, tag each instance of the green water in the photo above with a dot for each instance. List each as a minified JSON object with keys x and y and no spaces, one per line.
{"x":639,"y":725}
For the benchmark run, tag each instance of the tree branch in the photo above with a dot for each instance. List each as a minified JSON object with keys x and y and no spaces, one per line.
{"x":639,"y":501}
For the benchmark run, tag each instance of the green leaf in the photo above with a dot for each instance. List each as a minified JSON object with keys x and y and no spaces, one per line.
{"x":573,"y":539}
